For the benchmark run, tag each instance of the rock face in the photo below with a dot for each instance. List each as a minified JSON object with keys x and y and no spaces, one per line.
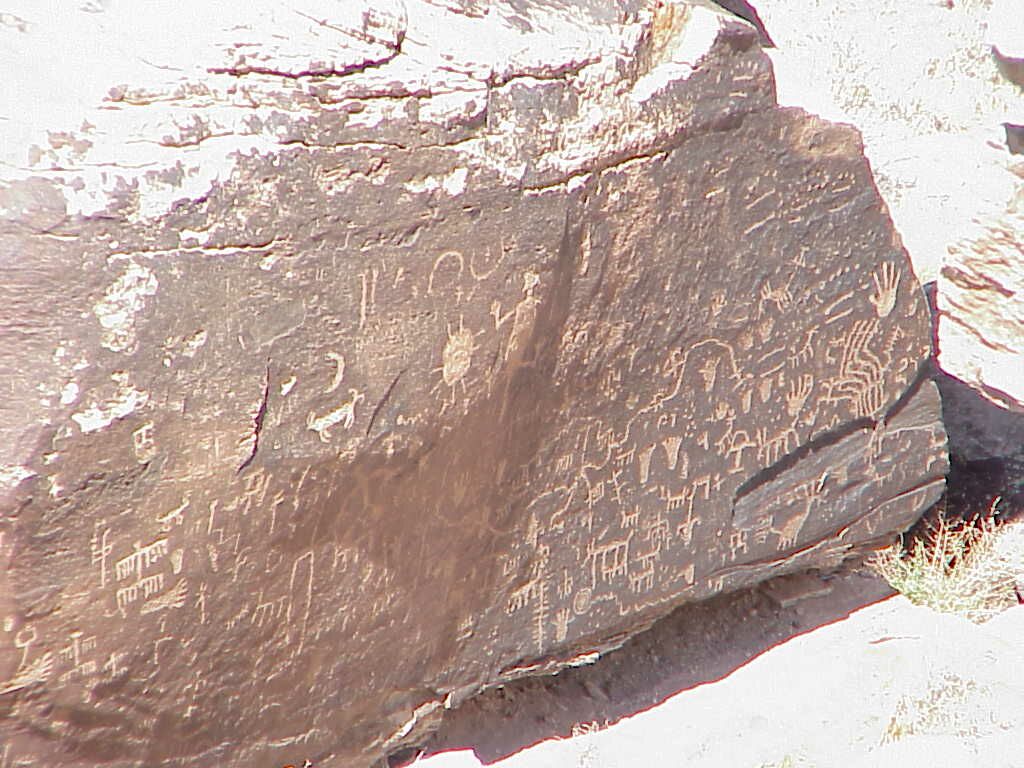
{"x":341,"y":385}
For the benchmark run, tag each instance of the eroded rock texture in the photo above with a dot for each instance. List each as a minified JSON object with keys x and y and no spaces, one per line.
{"x":980,"y":300}
{"x":475,"y":361}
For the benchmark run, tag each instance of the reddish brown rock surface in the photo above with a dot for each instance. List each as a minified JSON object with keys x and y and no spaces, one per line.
{"x":395,"y":411}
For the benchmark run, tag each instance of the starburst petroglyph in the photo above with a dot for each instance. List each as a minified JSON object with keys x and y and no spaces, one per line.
{"x":887,"y":283}
{"x":456,"y":359}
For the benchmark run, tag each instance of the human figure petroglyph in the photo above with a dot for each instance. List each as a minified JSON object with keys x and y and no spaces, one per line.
{"x":112,"y":666}
{"x":737,"y":544}
{"x":658,"y":533}
{"x":564,"y":588}
{"x":143,"y":442}
{"x":344,"y":413}
{"x":368,"y":295}
{"x":806,"y":351}
{"x":617,"y":485}
{"x":100,"y":550}
{"x":254,"y":490}
{"x":734,"y":442}
{"x":709,"y":372}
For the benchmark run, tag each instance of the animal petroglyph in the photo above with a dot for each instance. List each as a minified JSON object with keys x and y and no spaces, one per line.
{"x":610,"y":560}
{"x":344,"y":413}
{"x":173,"y":598}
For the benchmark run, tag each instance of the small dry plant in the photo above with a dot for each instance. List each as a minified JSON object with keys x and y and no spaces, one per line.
{"x":944,"y":709}
{"x":967,"y":570}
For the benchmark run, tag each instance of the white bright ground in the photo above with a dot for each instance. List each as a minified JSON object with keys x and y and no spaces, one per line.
{"x":826,"y":699}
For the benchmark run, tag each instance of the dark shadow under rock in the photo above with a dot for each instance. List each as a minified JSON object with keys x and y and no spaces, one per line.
{"x":696,"y":644}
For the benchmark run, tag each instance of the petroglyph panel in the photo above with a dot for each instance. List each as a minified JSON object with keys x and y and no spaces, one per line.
{"x":424,"y":404}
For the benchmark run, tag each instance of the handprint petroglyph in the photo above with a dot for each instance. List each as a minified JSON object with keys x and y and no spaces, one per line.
{"x":887,"y":283}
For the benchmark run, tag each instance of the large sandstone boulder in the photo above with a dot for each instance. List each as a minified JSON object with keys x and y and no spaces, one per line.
{"x":358,"y":359}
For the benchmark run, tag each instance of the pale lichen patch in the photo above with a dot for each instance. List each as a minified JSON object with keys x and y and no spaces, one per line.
{"x":123,"y":300}
{"x":12,"y":474}
{"x":125,"y":400}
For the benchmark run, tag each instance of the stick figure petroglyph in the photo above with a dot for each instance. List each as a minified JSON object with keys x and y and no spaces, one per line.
{"x":780,"y":297}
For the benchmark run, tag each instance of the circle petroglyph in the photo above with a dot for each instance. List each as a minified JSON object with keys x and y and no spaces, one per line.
{"x":582,"y":601}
